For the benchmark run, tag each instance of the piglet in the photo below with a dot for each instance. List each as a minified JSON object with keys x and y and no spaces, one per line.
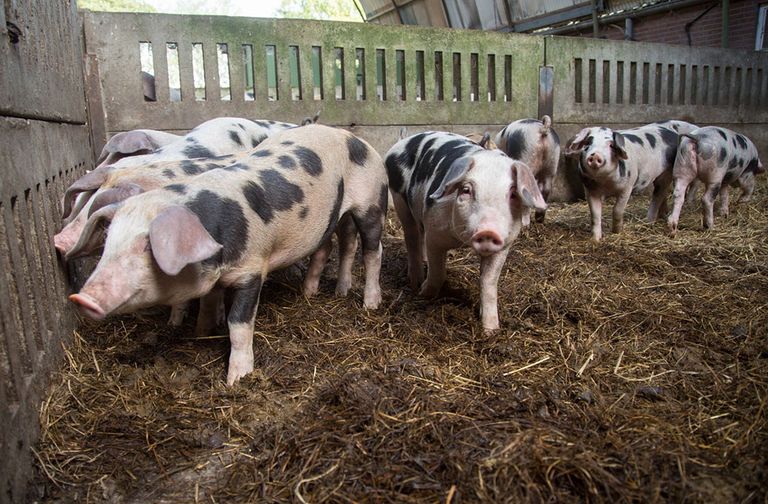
{"x":620,"y":163}
{"x":448,"y":193}
{"x":717,"y":157}
{"x":228,"y":228}
{"x":536,"y":144}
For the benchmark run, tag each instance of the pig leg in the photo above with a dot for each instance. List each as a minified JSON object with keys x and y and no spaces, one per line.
{"x":679,"y":197}
{"x":545,"y":186}
{"x":208,"y":314}
{"x":490,"y":269}
{"x":747,"y":185}
{"x":708,"y":203}
{"x":347,"y":235}
{"x":178,"y":313}
{"x":596,"y":211}
{"x":370,"y":223}
{"x":526,"y":218}
{"x":659,"y":199}
{"x":317,"y":263}
{"x":724,"y":200}
{"x":245,"y":301}
{"x":617,"y":223}
{"x":436,"y":255}
{"x":414,"y":242}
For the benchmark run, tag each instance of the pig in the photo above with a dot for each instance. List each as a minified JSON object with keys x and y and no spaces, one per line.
{"x":717,"y":157}
{"x":536,"y":144}
{"x":620,"y":163}
{"x":228,"y":228}
{"x":483,"y":140}
{"x":134,"y":143}
{"x":448,"y":193}
{"x":213,"y":138}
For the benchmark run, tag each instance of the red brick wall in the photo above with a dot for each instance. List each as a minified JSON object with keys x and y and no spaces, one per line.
{"x":669,"y":27}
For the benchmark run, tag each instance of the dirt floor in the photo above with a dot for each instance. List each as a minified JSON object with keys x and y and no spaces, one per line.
{"x":631,"y":370}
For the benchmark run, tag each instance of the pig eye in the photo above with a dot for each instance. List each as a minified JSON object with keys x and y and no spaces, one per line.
{"x":466,"y":190}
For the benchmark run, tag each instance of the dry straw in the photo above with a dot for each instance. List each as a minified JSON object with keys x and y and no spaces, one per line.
{"x":632,"y":370}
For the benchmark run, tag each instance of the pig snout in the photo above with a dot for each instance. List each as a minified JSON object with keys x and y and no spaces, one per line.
{"x":63,"y":243}
{"x":88,"y":306}
{"x":487,"y":242}
{"x":595,"y":160}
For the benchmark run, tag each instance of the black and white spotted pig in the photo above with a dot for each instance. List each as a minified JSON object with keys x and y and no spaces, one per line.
{"x":536,"y":144}
{"x":229,"y":228}
{"x":619,"y":163}
{"x":448,"y":193}
{"x":216,"y":137}
{"x":717,"y":157}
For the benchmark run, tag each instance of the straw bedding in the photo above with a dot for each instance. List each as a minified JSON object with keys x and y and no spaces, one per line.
{"x":631,"y":370}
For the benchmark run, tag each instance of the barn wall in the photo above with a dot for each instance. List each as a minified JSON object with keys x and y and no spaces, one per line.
{"x":45,"y":143}
{"x":488,"y":79}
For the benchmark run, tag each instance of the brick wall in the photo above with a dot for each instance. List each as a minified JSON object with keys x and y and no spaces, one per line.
{"x":669,"y":27}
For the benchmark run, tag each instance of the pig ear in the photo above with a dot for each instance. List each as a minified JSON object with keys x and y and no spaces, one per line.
{"x":618,"y":145}
{"x":525,"y":188}
{"x":456,"y":172}
{"x":113,"y":195}
{"x":484,"y":141}
{"x":576,"y":144}
{"x":178,"y":238}
{"x":92,"y":237}
{"x":130,"y":142}
{"x":88,"y":182}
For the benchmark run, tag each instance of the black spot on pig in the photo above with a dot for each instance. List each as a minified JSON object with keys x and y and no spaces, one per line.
{"x":262,"y":153}
{"x":236,"y":167}
{"x":286,"y":162}
{"x":235,"y":137}
{"x":732,"y":163}
{"x":622,"y":168}
{"x":190,"y":139}
{"x":333,"y":219}
{"x":633,"y":138}
{"x":263,"y":124}
{"x":407,"y":158}
{"x":286,"y":142}
{"x":224,"y":219}
{"x":212,"y":166}
{"x":515,"y":144}
{"x":241,"y":126}
{"x":256,"y":140}
{"x":670,"y":139}
{"x":168,"y":173}
{"x":280,"y":195}
{"x":741,"y":140}
{"x":370,"y":223}
{"x":303,"y":212}
{"x":223,"y":156}
{"x":651,"y":140}
{"x":196,"y":151}
{"x":191,"y":168}
{"x":722,"y":134}
{"x":358,"y":151}
{"x":177,"y":188}
{"x":555,"y":137}
{"x":245,"y":299}
{"x":309,"y":160}
{"x":751,"y":166}
{"x":723,"y":155}
{"x":394,"y":176}
{"x":528,"y":121}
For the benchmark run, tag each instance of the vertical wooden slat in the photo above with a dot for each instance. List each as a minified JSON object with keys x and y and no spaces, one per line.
{"x":211,"y":65}
{"x":482,"y":77}
{"x":329,"y":73}
{"x":236,"y":71}
{"x":448,"y":75}
{"x":370,"y":73}
{"x":350,"y":72}
{"x":466,"y":75}
{"x":283,"y":60}
{"x":160,"y":62}
{"x":260,"y":81}
{"x":10,"y":316}
{"x":390,"y":62}
{"x":35,"y":282}
{"x":305,"y":69}
{"x":185,"y":71}
{"x":429,"y":75}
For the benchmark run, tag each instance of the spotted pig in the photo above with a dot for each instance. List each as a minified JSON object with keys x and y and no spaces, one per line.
{"x":448,"y":193}
{"x":717,"y":157}
{"x":230,"y":227}
{"x":536,"y":144}
{"x":619,"y":163}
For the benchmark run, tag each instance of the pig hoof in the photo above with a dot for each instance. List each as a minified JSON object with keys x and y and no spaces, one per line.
{"x":237,"y":371}
{"x":310,"y":290}
{"x":372,"y":301}
{"x":429,"y":291}
{"x":342,"y":288}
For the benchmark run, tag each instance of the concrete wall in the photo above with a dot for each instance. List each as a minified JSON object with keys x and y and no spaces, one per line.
{"x":45,"y":144}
